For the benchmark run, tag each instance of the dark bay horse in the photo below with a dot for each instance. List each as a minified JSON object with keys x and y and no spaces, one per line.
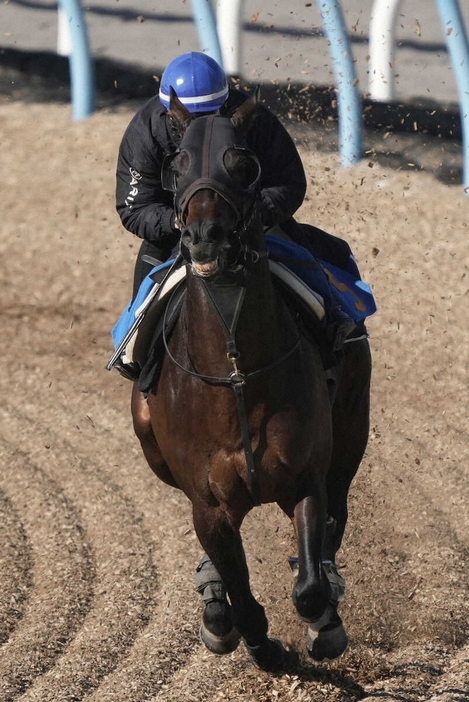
{"x":241,"y":414}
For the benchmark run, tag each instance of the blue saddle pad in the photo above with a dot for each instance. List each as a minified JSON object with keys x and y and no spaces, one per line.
{"x":128,"y":316}
{"x":353,"y":294}
{"x":346,"y":286}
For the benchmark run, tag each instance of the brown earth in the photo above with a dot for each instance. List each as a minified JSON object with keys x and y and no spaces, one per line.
{"x":97,"y":556}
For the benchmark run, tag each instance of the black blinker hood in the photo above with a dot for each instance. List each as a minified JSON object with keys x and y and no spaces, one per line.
{"x":206,"y":141}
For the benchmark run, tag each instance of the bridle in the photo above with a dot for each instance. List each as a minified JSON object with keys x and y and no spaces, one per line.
{"x":209,"y":172}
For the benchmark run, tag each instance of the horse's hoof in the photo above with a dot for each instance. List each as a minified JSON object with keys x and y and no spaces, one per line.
{"x":269,"y":656}
{"x":327,"y":638}
{"x":220,"y":645}
{"x":217,"y":631}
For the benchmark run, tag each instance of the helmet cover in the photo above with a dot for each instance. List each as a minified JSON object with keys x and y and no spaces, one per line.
{"x":198,"y":80}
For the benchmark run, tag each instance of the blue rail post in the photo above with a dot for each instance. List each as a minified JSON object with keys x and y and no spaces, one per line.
{"x":204,"y":17}
{"x":81,"y":66}
{"x":349,"y":99}
{"x":456,"y":41}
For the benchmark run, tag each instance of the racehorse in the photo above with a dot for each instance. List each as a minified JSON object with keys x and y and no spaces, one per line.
{"x":241,"y":414}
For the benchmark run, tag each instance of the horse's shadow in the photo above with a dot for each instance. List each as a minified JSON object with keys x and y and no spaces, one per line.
{"x":349,"y":685}
{"x":304,"y":672}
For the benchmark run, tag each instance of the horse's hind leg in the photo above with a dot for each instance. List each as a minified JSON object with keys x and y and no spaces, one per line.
{"x":350,"y":420}
{"x":327,"y":638}
{"x":316,"y":587}
{"x":222,"y":543}
{"x":311,"y":592}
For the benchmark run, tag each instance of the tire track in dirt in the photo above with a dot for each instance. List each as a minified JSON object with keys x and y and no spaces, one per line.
{"x":123,"y":565}
{"x":15,"y":567}
{"x":104,"y":442}
{"x":62,"y":574}
{"x":407,"y":610}
{"x":159,"y":662}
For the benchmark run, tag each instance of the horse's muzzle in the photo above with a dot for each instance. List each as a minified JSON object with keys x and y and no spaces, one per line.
{"x":209,"y":259}
{"x":205,"y":270}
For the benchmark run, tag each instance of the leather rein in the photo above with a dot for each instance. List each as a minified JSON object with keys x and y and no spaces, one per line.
{"x":236,"y":379}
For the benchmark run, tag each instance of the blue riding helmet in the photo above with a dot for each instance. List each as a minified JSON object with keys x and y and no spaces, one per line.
{"x":198,"y":80}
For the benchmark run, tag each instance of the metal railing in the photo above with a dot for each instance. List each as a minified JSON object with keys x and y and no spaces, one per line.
{"x":220,"y":37}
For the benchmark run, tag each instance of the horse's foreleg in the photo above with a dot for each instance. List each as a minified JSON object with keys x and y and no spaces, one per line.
{"x":217,"y":631}
{"x":222,"y":542}
{"x":144,"y":432}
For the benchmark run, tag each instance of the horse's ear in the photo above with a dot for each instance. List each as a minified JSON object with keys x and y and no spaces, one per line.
{"x":244,"y":116}
{"x":178,"y":113}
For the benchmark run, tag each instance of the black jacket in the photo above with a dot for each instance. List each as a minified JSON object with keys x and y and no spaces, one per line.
{"x":146,"y":209}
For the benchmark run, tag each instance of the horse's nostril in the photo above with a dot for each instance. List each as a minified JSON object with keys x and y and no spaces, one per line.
{"x":195,"y":236}
{"x":216,"y":233}
{"x":189,"y":237}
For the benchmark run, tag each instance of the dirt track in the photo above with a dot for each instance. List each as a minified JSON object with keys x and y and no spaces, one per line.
{"x":96,"y":593}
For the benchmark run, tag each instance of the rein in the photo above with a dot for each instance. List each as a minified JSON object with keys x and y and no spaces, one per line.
{"x":206,"y":143}
{"x":236,"y":379}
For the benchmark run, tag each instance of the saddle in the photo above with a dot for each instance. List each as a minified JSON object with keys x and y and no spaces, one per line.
{"x":143,"y":353}
{"x":138,"y":334}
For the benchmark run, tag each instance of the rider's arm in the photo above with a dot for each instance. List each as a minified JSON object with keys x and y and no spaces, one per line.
{"x":283,"y":180}
{"x":144,"y":207}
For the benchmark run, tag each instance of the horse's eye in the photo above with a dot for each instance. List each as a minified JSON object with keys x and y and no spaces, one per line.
{"x":252,"y":170}
{"x":243,"y":167}
{"x":175,"y":167}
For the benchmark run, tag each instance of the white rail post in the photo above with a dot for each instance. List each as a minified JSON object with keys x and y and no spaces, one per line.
{"x":64,"y":35}
{"x":381,"y":63}
{"x":229,"y":23}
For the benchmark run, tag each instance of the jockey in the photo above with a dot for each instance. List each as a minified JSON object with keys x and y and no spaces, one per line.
{"x":146,"y":209}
